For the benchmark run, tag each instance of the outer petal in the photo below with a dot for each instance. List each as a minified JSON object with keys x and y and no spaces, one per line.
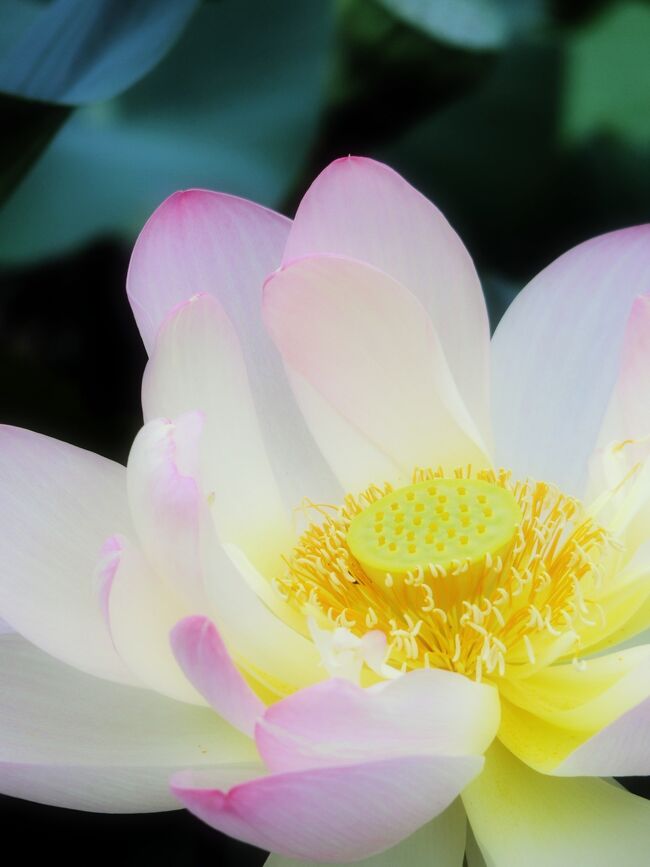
{"x":203,"y":656}
{"x":363,"y":209}
{"x":366,"y":345}
{"x":57,"y":505}
{"x":440,"y":842}
{"x":333,"y":814}
{"x":522,"y":817}
{"x":77,"y":741}
{"x":564,"y":709}
{"x":197,"y":364}
{"x":556,"y":355}
{"x":203,"y":242}
{"x":337,"y":722}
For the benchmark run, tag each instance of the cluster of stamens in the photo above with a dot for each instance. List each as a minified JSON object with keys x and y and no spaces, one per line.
{"x":472,"y":574}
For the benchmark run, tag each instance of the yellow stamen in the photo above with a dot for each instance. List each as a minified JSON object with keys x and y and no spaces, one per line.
{"x":474,"y":574}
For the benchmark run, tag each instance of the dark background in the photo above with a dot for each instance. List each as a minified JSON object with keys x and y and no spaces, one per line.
{"x":527,"y":122}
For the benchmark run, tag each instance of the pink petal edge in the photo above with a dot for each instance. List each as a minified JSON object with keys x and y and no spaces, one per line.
{"x":204,"y":658}
{"x":334,"y":814}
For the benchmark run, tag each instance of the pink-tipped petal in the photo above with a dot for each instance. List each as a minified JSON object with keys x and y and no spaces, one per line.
{"x":556,"y":355}
{"x":365,"y":344}
{"x":203,"y":242}
{"x":336,"y":722}
{"x":363,"y":209}
{"x":197,"y":364}
{"x":107,"y":565}
{"x":167,"y":502}
{"x":441,"y":842}
{"x":200,"y":241}
{"x":204,"y":658}
{"x":82,"y":742}
{"x":58,"y":504}
{"x":333,"y":814}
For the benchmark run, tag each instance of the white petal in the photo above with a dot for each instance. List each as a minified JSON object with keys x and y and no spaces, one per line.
{"x":556,"y":355}
{"x":73,"y":740}
{"x":57,"y":505}
{"x":356,"y":460}
{"x":197,"y":364}
{"x":142,"y":612}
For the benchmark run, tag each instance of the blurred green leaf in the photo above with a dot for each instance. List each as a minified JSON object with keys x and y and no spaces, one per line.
{"x":32,"y":126}
{"x":233,"y":107}
{"x":490,"y":160}
{"x":386,"y":76}
{"x":474,"y":24}
{"x":608,"y":76}
{"x":76,"y":51}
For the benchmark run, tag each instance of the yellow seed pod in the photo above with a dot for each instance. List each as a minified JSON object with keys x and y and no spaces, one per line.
{"x":441,"y":522}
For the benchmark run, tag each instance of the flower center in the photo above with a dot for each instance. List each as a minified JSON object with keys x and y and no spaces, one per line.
{"x":476,"y":574}
{"x":433,"y":524}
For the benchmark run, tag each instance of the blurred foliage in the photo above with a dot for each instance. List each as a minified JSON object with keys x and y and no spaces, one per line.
{"x":72,"y":51}
{"x":469,"y":23}
{"x":607,"y":86}
{"x":526,"y":121}
{"x":385,"y":76}
{"x":32,"y":124}
{"x":232,"y":107}
{"x":64,"y":52}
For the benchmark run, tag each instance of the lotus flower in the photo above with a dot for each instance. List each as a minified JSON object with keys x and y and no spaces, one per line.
{"x":348,"y":596}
